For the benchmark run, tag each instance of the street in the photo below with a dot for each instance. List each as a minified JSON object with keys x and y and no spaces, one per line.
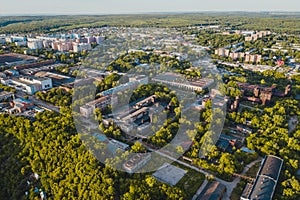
{"x":229,"y":185}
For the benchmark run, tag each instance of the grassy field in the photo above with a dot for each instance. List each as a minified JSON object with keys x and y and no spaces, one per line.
{"x":191,"y":181}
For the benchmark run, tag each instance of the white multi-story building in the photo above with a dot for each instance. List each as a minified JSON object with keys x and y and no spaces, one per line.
{"x":29,"y":85}
{"x":11,"y":39}
{"x":36,"y":44}
{"x":82,"y":47}
{"x":21,"y":43}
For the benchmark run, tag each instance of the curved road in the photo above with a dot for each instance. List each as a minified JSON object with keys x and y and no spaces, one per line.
{"x":229,"y":185}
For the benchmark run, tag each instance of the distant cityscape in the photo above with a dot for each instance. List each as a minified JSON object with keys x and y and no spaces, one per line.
{"x":255,"y":156}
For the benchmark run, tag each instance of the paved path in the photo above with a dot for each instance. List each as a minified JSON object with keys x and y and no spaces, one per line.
{"x":200,"y":189}
{"x":229,"y":185}
{"x":250,"y":107}
{"x":38,"y":102}
{"x":44,"y":104}
{"x":234,"y":183}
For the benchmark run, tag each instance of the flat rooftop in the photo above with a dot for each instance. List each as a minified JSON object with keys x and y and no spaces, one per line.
{"x":179,"y":78}
{"x":13,"y":57}
{"x":169,"y":174}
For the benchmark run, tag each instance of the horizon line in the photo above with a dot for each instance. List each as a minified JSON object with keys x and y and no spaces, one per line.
{"x":159,"y":12}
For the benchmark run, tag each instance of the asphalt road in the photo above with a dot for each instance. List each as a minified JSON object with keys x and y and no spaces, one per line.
{"x":229,"y":185}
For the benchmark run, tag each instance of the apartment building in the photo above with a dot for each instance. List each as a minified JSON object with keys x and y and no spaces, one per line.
{"x":256,"y":58}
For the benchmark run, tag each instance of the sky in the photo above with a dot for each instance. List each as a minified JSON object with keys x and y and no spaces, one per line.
{"x":33,"y":7}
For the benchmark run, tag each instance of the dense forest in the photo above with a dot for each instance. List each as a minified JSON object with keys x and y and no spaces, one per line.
{"x":284,"y":22}
{"x":51,"y":148}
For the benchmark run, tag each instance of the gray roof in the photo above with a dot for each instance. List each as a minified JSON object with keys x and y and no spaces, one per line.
{"x":263,"y":189}
{"x":271,"y":167}
{"x":212,"y":191}
{"x":266,"y":180}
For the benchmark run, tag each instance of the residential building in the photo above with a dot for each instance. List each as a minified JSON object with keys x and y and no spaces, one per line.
{"x":90,"y":39}
{"x":21,"y":43}
{"x":2,"y":40}
{"x":257,"y":35}
{"x":237,"y":55}
{"x":65,"y":46}
{"x":222,"y":52}
{"x":82,"y":47}
{"x":12,"y":72}
{"x":99,"y":39}
{"x":35,"y":44}
{"x":253,"y":58}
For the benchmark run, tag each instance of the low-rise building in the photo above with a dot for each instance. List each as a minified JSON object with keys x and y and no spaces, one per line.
{"x":21,"y":104}
{"x":29,"y":84}
{"x":136,"y":162}
{"x":101,"y":103}
{"x":266,"y":180}
{"x":212,"y":191}
{"x":244,"y":129}
{"x":120,"y":145}
{"x":178,"y":81}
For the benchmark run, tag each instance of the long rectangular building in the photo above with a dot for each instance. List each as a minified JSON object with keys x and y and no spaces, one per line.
{"x":177,"y":80}
{"x":101,"y":103}
{"x":264,"y":186}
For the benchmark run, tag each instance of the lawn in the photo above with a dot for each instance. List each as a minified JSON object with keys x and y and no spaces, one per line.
{"x":191,"y":181}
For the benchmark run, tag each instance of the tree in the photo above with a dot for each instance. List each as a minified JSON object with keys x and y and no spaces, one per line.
{"x":138,"y":148}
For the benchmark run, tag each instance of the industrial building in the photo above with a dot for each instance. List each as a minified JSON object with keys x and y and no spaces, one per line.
{"x":264,"y":186}
{"x":29,"y":84}
{"x":177,"y":80}
{"x":101,"y":103}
